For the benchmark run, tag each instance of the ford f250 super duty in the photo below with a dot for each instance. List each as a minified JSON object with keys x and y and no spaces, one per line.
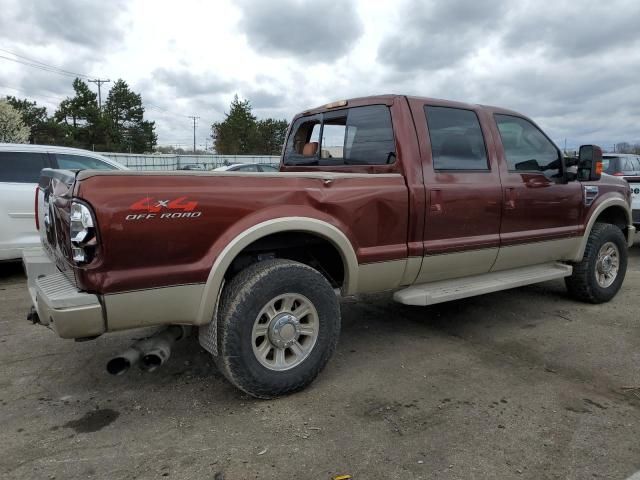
{"x":433,"y":200}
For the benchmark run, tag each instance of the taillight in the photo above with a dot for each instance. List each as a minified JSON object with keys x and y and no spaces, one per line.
{"x":84,"y":239}
{"x":36,"y":209}
{"x":618,"y":174}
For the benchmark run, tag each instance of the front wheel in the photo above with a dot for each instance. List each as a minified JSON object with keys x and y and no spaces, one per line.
{"x":599,"y":276}
{"x":279,"y":323}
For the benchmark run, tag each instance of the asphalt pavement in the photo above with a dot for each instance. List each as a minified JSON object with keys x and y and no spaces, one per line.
{"x":523,"y":384}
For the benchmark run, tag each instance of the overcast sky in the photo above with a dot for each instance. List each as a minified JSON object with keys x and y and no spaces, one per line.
{"x":573,"y":66}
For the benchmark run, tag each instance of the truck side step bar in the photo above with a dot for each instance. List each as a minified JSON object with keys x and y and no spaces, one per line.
{"x":445,"y":290}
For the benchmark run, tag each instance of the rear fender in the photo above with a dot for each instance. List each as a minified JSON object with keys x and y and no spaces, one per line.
{"x":245,"y":238}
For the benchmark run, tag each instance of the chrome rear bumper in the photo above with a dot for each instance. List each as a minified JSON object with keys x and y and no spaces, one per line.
{"x":59,"y":304}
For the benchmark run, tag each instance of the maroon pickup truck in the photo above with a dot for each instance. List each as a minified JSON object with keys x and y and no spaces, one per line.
{"x":433,"y":200}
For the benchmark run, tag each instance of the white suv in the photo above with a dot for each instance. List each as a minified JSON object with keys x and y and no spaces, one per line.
{"x":627,"y":166}
{"x":20,"y":167}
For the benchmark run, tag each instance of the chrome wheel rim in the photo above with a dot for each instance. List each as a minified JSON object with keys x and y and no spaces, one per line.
{"x":607,"y":264}
{"x":285,"y":332}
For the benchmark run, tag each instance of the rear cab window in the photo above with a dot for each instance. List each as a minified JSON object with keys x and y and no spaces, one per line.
{"x":22,"y":167}
{"x":353,"y":136}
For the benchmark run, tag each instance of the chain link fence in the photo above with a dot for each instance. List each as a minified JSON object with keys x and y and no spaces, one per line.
{"x":177,"y":162}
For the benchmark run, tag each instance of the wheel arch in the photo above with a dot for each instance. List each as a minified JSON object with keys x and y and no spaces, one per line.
{"x":244,"y":239}
{"x":612,"y":210}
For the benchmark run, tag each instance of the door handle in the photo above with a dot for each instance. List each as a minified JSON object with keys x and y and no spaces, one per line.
{"x":510,"y":198}
{"x":435,"y":202}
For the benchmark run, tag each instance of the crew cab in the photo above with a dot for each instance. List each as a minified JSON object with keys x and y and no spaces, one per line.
{"x":431,"y":199}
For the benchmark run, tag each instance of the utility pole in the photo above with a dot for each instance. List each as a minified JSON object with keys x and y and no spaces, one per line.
{"x":99,"y":82}
{"x":194,"y":131}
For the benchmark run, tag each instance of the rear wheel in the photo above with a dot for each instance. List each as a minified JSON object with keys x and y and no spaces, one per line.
{"x":599,"y":276}
{"x":279,"y":323}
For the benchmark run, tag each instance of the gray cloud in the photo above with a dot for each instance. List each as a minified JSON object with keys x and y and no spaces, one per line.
{"x":569,"y":30}
{"x":189,"y":84}
{"x":316,"y":30}
{"x":89,"y":25}
{"x":592,"y":106}
{"x":261,"y":99}
{"x":573,"y":70}
{"x":74,"y":35}
{"x":434,"y":35}
{"x":571,"y":67}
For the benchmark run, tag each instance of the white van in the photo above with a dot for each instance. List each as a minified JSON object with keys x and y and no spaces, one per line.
{"x":20,"y":167}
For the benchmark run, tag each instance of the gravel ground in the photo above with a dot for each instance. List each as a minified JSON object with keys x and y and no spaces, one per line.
{"x":523,"y":384}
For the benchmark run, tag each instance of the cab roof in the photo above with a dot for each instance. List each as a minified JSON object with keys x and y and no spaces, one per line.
{"x":388,"y":99}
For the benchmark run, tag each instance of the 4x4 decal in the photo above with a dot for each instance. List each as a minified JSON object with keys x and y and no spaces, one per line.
{"x":148,"y":204}
{"x":180,"y":207}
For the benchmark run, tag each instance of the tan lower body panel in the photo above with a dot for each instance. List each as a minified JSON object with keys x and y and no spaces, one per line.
{"x":454,"y":265}
{"x":180,"y":304}
{"x":381,"y":276}
{"x":157,"y":306}
{"x":377,"y":277}
{"x":534,"y":253}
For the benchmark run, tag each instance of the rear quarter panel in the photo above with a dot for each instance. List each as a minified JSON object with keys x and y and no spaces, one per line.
{"x":149,"y":243}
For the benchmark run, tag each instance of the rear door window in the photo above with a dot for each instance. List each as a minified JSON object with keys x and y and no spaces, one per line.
{"x":80,"y":162}
{"x":457,"y":142}
{"x":22,"y":167}
{"x":354,"y":136}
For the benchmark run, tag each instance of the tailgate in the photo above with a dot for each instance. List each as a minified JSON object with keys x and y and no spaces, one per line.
{"x":54,"y":204}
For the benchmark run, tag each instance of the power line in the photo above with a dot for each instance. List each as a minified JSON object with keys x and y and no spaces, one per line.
{"x":43,"y":64}
{"x":44,"y":67}
{"x":36,"y":64}
{"x":156,"y":107}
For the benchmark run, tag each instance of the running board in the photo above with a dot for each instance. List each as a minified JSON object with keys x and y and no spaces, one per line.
{"x":445,"y":290}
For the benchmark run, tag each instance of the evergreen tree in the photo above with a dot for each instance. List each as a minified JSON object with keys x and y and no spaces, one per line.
{"x":237,"y":133}
{"x":271,"y":136}
{"x":80,"y":116}
{"x":126,"y":127}
{"x":241,"y":134}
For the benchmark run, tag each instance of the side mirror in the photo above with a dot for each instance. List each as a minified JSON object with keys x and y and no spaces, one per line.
{"x":589,"y":163}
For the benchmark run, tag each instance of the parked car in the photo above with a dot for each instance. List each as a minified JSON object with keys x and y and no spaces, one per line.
{"x":246,"y":167}
{"x":430,"y":199}
{"x":193,"y":166}
{"x":627,"y":166}
{"x":621,"y":164}
{"x":20,"y":167}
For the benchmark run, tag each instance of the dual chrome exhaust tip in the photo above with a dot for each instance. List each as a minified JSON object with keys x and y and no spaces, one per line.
{"x":149,"y":353}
